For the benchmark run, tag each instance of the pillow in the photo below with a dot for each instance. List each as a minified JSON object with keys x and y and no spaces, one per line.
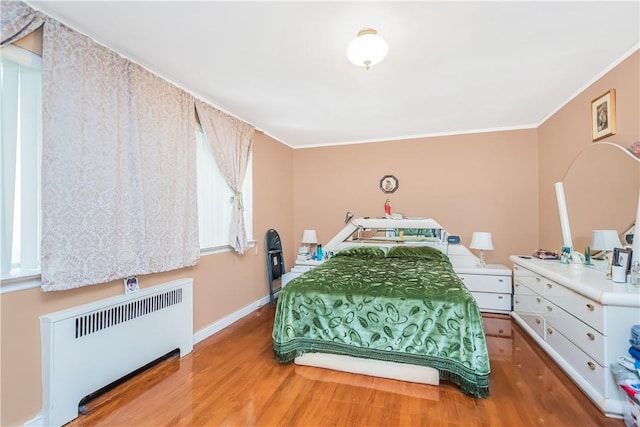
{"x":362,"y":252}
{"x":423,"y":252}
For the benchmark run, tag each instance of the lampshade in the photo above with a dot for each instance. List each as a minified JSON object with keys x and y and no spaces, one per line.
{"x":481,"y":240}
{"x":367,"y":49}
{"x":309,"y":237}
{"x":605,"y":240}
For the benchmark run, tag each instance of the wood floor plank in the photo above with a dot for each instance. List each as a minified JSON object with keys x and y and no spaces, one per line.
{"x":232,"y":379}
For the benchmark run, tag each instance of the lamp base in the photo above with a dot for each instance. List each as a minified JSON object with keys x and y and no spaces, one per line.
{"x":609,"y":260}
{"x":482,"y":263}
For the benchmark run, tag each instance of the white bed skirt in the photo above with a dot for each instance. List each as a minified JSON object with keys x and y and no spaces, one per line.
{"x":374,"y":368}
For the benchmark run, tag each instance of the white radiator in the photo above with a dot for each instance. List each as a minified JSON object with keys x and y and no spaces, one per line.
{"x":88,"y":347}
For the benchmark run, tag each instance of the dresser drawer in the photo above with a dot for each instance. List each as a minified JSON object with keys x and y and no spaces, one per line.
{"x":585,"y":337}
{"x":588,"y":368}
{"x":585,"y":309}
{"x":528,"y":303}
{"x":487,"y":283}
{"x":535,"y":321}
{"x":497,"y":327}
{"x":528,"y":278}
{"x":519,"y":288}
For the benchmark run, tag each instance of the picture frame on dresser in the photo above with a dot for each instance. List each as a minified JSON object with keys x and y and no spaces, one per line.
{"x":622,"y":258}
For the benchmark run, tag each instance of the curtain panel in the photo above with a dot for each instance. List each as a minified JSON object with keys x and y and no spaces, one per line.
{"x":230,"y":140}
{"x":118,"y":166}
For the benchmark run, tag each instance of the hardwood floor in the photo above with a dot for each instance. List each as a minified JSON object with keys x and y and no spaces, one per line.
{"x":231,"y":379}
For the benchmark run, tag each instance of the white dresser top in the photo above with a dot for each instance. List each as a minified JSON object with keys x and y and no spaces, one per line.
{"x":587,"y":281}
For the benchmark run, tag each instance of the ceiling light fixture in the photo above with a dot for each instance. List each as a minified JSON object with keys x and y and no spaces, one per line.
{"x":367,"y":49}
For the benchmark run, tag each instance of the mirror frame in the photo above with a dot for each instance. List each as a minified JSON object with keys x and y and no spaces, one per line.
{"x":562,"y":205}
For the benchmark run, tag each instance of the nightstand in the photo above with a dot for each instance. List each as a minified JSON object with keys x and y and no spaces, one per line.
{"x":491,"y":286}
{"x":300,"y":268}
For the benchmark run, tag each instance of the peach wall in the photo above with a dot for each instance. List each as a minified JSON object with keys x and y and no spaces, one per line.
{"x":223,"y":284}
{"x":479,"y":182}
{"x":31,"y":42}
{"x":568,"y":131}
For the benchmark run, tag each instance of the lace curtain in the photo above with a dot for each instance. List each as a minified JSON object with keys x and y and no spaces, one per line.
{"x":231,"y":140}
{"x":118,"y":167}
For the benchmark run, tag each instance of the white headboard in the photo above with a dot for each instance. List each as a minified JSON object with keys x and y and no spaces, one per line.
{"x":458,"y":253}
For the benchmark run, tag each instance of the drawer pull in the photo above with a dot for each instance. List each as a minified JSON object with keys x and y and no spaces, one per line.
{"x":515,"y":267}
{"x":549,"y":331}
{"x":517,"y":301}
{"x":537,"y":279}
{"x":549,"y":285}
{"x":591,"y":307}
{"x":591,"y":366}
{"x":500,"y":280}
{"x":538,"y":321}
{"x":538,"y":299}
{"x":500,"y":331}
{"x":499,"y":296}
{"x":591,"y":336}
{"x":549,"y":308}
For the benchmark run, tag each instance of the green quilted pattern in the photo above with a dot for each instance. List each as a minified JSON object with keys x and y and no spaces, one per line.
{"x":407,"y":310}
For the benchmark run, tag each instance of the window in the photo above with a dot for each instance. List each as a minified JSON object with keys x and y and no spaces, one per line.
{"x":21,"y":152}
{"x":20,"y":75}
{"x":214,"y":199}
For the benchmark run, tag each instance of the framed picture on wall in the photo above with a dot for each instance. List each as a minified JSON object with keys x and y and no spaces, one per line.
{"x":603,"y":115}
{"x":389,"y":184}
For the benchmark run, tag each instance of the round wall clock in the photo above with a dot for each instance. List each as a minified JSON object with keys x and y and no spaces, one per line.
{"x":389,"y":184}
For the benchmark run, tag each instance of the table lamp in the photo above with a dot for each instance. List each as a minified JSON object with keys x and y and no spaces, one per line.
{"x":481,"y":240}
{"x":606,"y":241}
{"x":309,"y":237}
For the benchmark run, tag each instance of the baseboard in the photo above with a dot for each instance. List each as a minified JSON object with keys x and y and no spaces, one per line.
{"x":205,"y":333}
{"x":37,"y":421}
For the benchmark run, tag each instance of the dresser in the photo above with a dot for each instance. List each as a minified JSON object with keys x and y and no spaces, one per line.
{"x":581,"y":319}
{"x":490,"y":285}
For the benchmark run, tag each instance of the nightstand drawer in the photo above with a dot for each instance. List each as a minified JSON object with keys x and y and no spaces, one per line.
{"x":487,"y":283}
{"x":493,"y":302}
{"x":287,"y":277}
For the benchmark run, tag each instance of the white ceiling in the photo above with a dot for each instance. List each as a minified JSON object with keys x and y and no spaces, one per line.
{"x":452,"y":67}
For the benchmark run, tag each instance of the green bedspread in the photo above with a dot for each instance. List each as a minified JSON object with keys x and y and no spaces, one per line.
{"x":401,"y":309}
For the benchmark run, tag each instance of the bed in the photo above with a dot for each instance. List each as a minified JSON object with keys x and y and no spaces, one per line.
{"x":401,"y":304}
